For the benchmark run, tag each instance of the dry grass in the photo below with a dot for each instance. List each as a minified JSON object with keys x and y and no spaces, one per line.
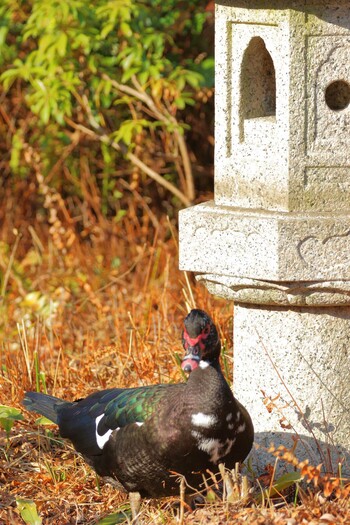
{"x":93,"y":325}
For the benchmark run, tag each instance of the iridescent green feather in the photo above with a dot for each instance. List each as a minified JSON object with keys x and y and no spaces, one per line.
{"x":133,"y":405}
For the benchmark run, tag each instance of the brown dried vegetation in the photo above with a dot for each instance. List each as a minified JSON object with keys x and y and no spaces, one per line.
{"x":101,"y":307}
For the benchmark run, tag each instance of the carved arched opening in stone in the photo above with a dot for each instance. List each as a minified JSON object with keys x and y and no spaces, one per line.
{"x":258,"y":83}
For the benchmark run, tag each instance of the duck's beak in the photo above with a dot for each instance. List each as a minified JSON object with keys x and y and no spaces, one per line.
{"x":190,"y":362}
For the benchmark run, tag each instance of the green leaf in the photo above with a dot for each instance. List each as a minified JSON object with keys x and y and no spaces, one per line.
{"x":8,"y":415}
{"x":117,"y":194}
{"x":116,"y":262}
{"x":28,"y":512}
{"x":43,"y":421}
{"x":180,"y":103}
{"x":106,"y":30}
{"x":120,"y":214}
{"x":282,"y":483}
{"x":10,"y":412}
{"x":45,"y":113}
{"x":194,"y":79}
{"x":143,"y":77}
{"x":116,"y":517}
{"x":286,"y":480}
{"x":126,"y":29}
{"x":129,"y":73}
{"x":3,"y":34}
{"x":61,"y":44}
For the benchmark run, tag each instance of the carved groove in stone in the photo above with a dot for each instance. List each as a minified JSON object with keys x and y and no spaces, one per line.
{"x":334,"y":250}
{"x":256,"y":291}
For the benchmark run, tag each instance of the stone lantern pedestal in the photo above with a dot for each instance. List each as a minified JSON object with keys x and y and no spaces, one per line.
{"x":276,"y":239}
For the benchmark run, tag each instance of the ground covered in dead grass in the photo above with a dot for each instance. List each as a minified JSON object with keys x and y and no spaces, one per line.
{"x":79,"y":316}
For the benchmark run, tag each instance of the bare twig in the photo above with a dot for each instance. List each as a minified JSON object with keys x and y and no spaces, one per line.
{"x":308,"y":426}
{"x":24,"y":345}
{"x":170,"y":119}
{"x":9,"y":266}
{"x":103,"y":137}
{"x":167,"y":119}
{"x":186,"y":164}
{"x":142,"y":202}
{"x":182,"y":500}
{"x":188,"y":294}
{"x":140,"y":94}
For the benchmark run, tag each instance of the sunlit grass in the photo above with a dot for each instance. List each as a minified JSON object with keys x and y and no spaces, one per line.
{"x":118,"y":325}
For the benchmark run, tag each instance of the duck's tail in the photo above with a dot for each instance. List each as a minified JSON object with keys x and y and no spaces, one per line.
{"x":43,"y":404}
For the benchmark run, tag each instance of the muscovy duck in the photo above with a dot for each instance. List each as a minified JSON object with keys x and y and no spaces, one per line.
{"x":146,"y":438}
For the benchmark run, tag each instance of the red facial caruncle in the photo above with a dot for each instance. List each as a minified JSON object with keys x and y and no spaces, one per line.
{"x":193,"y":345}
{"x":190,"y":342}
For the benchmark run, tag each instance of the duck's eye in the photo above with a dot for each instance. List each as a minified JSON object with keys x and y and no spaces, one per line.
{"x":206,"y":330}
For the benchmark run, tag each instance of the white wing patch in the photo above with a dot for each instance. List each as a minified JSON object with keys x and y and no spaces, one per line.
{"x":203,"y":364}
{"x":102,"y":440}
{"x":241,"y":428}
{"x":203,"y":420}
{"x":211,"y":447}
{"x":215,"y":448}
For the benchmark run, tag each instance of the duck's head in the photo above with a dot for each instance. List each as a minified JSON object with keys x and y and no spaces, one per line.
{"x":200,"y":340}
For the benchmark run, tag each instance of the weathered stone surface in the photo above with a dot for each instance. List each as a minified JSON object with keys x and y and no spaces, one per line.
{"x":255,"y":291}
{"x":278,"y":231}
{"x":265,"y":245}
{"x":289,"y":356}
{"x":282,"y":105}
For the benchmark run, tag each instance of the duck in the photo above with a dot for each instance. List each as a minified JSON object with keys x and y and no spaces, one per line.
{"x":147,"y":438}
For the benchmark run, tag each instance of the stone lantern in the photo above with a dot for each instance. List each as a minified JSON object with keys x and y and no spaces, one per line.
{"x":276,"y":238}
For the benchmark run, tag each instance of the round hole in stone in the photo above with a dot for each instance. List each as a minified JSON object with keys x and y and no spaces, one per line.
{"x":337,"y":95}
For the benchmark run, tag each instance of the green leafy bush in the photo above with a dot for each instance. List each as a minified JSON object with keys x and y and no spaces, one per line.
{"x":102,"y":83}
